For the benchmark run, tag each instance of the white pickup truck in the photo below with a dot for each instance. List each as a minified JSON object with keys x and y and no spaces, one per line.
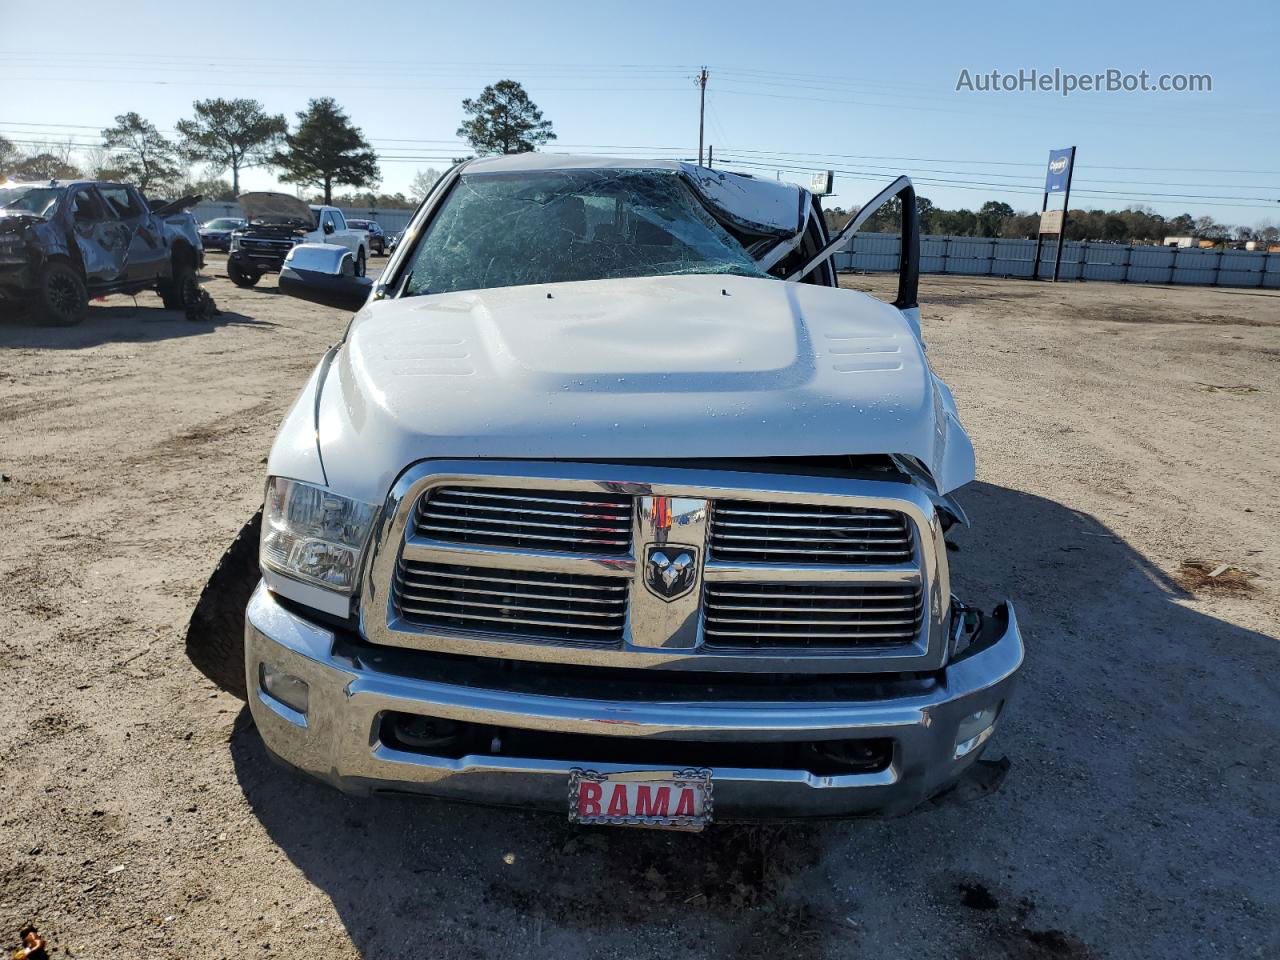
{"x":275,"y":224}
{"x":610,"y":501}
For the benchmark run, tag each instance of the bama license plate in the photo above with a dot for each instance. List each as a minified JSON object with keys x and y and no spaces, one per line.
{"x":680,"y":800}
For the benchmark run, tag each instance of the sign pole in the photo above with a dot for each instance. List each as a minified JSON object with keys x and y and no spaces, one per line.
{"x":1066,"y":205}
{"x":1035,"y":265}
{"x":702,"y":108}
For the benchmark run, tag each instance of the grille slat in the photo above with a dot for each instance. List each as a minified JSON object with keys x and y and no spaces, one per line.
{"x":525,"y":603}
{"x":588,"y":523}
{"x":747,"y":531}
{"x":802,"y":513}
{"x":583,"y":526}
{"x":416,"y":586}
{"x":419,"y":598}
{"x":818,"y":615}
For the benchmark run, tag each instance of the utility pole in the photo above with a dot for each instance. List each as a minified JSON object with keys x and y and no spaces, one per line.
{"x":702,"y":108}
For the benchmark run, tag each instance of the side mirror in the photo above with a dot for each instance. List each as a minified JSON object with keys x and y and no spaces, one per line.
{"x":325,"y":274}
{"x":328,"y":226}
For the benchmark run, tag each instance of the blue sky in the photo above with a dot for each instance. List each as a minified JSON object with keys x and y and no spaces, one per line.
{"x":870,"y":84}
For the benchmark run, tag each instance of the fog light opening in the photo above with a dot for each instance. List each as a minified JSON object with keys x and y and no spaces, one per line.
{"x":976,"y":729}
{"x":292,"y":691}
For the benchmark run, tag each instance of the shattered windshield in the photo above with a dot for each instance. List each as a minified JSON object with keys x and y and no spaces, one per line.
{"x":501,"y":230}
{"x":37,"y":200}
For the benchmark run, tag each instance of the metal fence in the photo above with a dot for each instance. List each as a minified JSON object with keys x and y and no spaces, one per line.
{"x":1081,"y":260}
{"x":391,"y":221}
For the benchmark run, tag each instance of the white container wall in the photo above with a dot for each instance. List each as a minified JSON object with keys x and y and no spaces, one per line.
{"x":1081,"y":260}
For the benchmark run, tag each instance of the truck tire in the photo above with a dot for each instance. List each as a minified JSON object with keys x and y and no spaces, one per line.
{"x":181,"y":289}
{"x":61,"y":299}
{"x":241,"y":277}
{"x":215,"y":635}
{"x":361,"y":267}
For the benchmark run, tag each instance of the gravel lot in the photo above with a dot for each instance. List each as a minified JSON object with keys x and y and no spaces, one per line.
{"x":1128,"y":446}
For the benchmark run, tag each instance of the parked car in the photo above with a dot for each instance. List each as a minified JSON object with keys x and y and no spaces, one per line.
{"x":377,"y":239}
{"x":611,"y":502}
{"x":277,"y":222}
{"x":65,"y":241}
{"x":216,"y":234}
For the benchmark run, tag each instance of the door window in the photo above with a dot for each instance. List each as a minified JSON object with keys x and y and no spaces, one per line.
{"x":122,"y":202}
{"x":86,"y":207}
{"x":339,"y":221}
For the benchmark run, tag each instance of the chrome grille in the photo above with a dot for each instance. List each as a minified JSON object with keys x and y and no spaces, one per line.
{"x":527,"y":603}
{"x":560,"y":520}
{"x":254,"y":245}
{"x":802,"y":533}
{"x":827,"y":615}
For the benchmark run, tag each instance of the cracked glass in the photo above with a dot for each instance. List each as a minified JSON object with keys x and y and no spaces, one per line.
{"x":500,"y":230}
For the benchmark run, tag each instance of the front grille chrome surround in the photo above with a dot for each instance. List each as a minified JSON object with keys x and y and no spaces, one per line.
{"x":479,"y":579}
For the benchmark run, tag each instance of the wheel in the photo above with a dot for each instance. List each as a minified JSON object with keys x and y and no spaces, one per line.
{"x":215,"y":635}
{"x":61,"y":299}
{"x":180,"y":290}
{"x":361,"y":267}
{"x":241,"y":277}
{"x":382,"y":249}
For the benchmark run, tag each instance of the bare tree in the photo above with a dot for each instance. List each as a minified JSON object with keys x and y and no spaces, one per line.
{"x":422,"y":183}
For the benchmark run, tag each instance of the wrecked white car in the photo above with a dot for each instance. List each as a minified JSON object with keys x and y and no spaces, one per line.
{"x":610,"y":502}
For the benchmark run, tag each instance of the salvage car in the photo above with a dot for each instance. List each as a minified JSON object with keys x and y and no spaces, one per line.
{"x":611,"y":502}
{"x":65,"y":241}
{"x":377,"y":239}
{"x":278,"y":222}
{"x":216,"y":234}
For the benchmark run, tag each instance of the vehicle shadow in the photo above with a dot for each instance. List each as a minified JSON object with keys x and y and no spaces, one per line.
{"x":1141,"y":744}
{"x":117,"y":322}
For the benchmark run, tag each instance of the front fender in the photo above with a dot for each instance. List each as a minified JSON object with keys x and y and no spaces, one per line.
{"x":296,"y":451}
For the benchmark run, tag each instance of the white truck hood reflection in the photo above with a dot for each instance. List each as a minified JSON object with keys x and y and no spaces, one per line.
{"x":653,"y":368}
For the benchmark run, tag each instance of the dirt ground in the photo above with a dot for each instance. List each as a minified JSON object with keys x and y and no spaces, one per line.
{"x":1128,"y":449}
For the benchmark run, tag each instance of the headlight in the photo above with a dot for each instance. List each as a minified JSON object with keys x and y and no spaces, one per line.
{"x":314,"y":535}
{"x":234,"y":244}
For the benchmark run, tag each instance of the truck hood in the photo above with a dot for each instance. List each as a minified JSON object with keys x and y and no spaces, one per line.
{"x":648,"y":368}
{"x":275,"y":208}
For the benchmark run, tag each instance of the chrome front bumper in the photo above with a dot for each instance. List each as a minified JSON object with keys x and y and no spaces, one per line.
{"x":338,"y":740}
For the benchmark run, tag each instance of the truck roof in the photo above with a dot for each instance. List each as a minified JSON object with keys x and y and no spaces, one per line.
{"x":766,"y":206}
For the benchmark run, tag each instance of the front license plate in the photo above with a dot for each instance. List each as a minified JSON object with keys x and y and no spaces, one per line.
{"x":679,"y":800}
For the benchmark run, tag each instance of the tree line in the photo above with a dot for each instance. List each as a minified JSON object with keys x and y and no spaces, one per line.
{"x":998,"y":219}
{"x":324,"y":149}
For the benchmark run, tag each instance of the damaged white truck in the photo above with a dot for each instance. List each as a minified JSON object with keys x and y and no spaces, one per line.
{"x":610,"y":502}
